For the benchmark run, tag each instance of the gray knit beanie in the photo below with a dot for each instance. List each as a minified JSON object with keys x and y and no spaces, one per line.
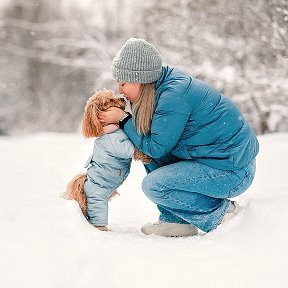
{"x":137,"y":61}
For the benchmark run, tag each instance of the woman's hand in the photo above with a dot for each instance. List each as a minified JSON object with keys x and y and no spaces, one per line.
{"x":111,"y":115}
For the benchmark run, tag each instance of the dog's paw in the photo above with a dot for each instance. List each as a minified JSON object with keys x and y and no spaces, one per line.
{"x":139,"y":155}
{"x":102,"y":228}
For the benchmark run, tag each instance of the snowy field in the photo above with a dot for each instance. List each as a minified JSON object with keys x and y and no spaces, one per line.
{"x":46,"y":242}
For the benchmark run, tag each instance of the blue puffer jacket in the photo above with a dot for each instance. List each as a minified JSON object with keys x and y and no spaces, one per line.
{"x":108,"y":167}
{"x":194,"y":121}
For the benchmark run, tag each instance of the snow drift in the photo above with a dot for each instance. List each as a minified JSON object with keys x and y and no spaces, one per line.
{"x":46,"y":242}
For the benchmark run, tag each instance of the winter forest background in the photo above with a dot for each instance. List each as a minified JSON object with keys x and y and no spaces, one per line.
{"x":55,"y":53}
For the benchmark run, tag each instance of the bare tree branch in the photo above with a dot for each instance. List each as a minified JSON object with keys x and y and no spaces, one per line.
{"x":32,"y":26}
{"x":78,"y":63}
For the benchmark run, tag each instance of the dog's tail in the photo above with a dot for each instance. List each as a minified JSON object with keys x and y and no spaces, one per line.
{"x":75,"y":191}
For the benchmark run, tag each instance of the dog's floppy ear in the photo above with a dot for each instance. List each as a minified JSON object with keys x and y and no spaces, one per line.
{"x":91,"y":126}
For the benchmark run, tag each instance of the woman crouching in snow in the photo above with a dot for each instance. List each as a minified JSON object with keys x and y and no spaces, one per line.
{"x":202,"y":148}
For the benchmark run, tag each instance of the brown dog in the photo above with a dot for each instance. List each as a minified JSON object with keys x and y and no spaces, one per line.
{"x":92,"y":127}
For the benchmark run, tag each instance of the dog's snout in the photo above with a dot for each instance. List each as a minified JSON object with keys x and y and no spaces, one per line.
{"x":120,"y":102}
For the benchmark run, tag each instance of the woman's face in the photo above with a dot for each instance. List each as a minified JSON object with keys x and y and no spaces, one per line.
{"x":130,"y":90}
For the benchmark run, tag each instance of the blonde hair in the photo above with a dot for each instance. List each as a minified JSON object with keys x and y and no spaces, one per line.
{"x":143,"y":108}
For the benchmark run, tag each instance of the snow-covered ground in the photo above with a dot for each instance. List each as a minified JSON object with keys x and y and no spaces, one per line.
{"x":46,"y":242}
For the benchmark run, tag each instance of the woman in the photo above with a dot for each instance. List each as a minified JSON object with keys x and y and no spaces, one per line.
{"x":203,"y":150}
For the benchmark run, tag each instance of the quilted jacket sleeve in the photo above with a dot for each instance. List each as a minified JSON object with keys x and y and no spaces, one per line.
{"x":121,"y":146}
{"x":169,"y":120}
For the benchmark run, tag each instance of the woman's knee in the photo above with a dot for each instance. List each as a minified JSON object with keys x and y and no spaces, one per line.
{"x":149,"y":185}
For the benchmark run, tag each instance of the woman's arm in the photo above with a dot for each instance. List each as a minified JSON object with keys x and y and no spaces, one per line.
{"x":168,"y":123}
{"x":166,"y":131}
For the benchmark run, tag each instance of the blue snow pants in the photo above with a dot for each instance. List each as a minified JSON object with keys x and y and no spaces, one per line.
{"x":191,"y":192}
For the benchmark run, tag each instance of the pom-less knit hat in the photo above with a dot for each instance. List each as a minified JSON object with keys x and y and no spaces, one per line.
{"x":137,"y":61}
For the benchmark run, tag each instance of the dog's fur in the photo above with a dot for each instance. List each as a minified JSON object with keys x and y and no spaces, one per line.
{"x":92,"y":127}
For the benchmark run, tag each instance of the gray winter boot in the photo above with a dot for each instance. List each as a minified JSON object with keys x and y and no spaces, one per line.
{"x":169,"y":229}
{"x":233,"y":210}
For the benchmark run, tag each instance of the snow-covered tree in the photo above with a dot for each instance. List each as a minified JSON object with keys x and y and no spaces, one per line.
{"x":55,"y":53}
{"x":238,"y":46}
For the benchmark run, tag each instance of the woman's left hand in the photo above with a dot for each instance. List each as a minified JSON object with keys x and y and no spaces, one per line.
{"x":111,"y":115}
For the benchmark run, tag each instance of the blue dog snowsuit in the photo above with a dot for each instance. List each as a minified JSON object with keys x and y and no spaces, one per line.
{"x":108,"y":167}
